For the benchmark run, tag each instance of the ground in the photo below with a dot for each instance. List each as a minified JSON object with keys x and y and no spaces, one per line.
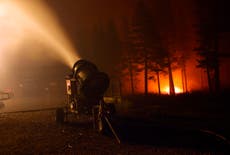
{"x":38,"y":133}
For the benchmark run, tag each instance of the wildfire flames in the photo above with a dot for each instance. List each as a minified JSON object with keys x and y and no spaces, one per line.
{"x":177,"y":90}
{"x":195,"y":81}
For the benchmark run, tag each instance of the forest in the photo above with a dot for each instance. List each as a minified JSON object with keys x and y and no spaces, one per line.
{"x":150,"y":52}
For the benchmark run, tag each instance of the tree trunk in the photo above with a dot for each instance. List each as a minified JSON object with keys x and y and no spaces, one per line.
{"x":216,"y":49}
{"x":120,"y":86}
{"x":146,"y":73}
{"x":171,"y":84}
{"x":209,"y":79}
{"x":217,"y":78}
{"x":131,"y":76}
{"x":184,"y":79}
{"x":158,"y":83}
{"x":217,"y":69}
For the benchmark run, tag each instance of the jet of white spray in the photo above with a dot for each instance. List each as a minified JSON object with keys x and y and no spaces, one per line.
{"x":26,"y":19}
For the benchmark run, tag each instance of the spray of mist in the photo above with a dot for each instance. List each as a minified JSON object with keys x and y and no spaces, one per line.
{"x":22,"y":21}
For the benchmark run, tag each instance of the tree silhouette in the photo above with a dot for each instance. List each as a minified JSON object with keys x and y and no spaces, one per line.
{"x":126,"y":67}
{"x":181,"y":60}
{"x":208,"y":43}
{"x":158,"y":65}
{"x":144,"y":39}
{"x":168,"y":33}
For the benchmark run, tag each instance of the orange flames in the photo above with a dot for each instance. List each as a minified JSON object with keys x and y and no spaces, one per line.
{"x":196,"y":80}
{"x":164,"y":84}
{"x":177,"y":90}
{"x":153,"y":84}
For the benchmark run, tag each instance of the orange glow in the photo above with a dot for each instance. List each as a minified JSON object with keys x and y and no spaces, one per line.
{"x":177,"y":90}
{"x":196,"y":80}
{"x":193,"y":82}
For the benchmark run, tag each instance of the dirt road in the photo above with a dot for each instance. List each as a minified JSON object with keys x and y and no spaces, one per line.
{"x":38,"y":133}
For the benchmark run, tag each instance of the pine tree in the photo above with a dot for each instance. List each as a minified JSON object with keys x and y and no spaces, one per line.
{"x":207,"y":49}
{"x":144,"y":39}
